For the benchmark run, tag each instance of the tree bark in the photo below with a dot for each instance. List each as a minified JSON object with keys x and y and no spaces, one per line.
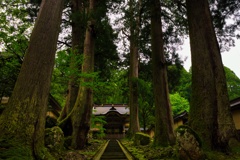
{"x":164,"y":133}
{"x":133,"y":77}
{"x":22,"y":123}
{"x":78,"y":30}
{"x":210,"y":112}
{"x":83,"y":107}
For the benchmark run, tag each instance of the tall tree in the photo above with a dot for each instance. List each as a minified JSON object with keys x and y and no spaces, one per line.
{"x":78,"y":30}
{"x":22,"y":123}
{"x":133,"y":76}
{"x":82,"y":110}
{"x":209,"y":112}
{"x":164,"y":134}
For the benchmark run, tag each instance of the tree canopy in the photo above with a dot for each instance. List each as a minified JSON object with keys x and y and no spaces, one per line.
{"x":121,"y":52}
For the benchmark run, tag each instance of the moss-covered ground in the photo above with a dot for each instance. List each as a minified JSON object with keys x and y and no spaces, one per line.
{"x":149,"y":152}
{"x":92,"y":148}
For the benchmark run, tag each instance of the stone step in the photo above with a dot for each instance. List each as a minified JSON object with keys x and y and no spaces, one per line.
{"x":113,"y":151}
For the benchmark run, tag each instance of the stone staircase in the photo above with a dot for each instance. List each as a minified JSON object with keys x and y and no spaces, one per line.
{"x":113,"y":151}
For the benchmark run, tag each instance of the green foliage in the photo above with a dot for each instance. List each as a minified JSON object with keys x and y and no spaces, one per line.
{"x":183,"y":88}
{"x":106,"y":55}
{"x":9,"y":69}
{"x":13,"y":150}
{"x":133,"y":149}
{"x":14,"y":35}
{"x":62,"y":73}
{"x":113,"y":90}
{"x":178,"y":103}
{"x":149,"y":152}
{"x":98,"y":122}
{"x":69,"y":63}
{"x":146,"y":107}
{"x":184,"y":85}
{"x":233,"y":84}
{"x":174,"y":77}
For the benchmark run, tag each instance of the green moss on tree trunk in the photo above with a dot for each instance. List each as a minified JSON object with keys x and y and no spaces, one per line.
{"x":22,"y":123}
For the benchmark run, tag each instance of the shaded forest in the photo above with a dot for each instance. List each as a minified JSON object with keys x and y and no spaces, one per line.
{"x":86,"y":52}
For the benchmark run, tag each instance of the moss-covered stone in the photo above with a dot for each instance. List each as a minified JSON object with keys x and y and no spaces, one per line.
{"x":189,"y":144}
{"x":141,"y":139}
{"x":54,"y":140}
{"x":182,"y":129}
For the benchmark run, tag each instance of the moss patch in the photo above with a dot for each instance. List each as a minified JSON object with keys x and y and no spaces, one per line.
{"x":93,"y":146}
{"x":141,"y":139}
{"x":148,"y":152}
{"x":12,"y":150}
{"x":54,"y":140}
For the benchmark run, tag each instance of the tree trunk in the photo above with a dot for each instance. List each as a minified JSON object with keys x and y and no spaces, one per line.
{"x":164,"y":134}
{"x":133,"y":77}
{"x":210,"y":109}
{"x":22,"y":123}
{"x":83,"y":107}
{"x":78,"y":30}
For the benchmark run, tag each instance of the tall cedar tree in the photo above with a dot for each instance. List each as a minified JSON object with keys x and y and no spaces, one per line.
{"x":133,"y":77}
{"x":82,"y":110}
{"x":210,"y":112}
{"x":164,"y":133}
{"x":22,"y":123}
{"x":77,"y":49}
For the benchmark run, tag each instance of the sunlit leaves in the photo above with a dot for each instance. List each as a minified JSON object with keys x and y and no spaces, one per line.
{"x":15,"y":29}
{"x":178,"y":103}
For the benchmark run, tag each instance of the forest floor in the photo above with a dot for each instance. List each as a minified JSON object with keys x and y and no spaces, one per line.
{"x":92,"y":148}
{"x":148,"y":152}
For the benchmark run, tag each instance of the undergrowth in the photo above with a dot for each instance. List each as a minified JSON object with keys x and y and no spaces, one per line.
{"x":149,"y":152}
